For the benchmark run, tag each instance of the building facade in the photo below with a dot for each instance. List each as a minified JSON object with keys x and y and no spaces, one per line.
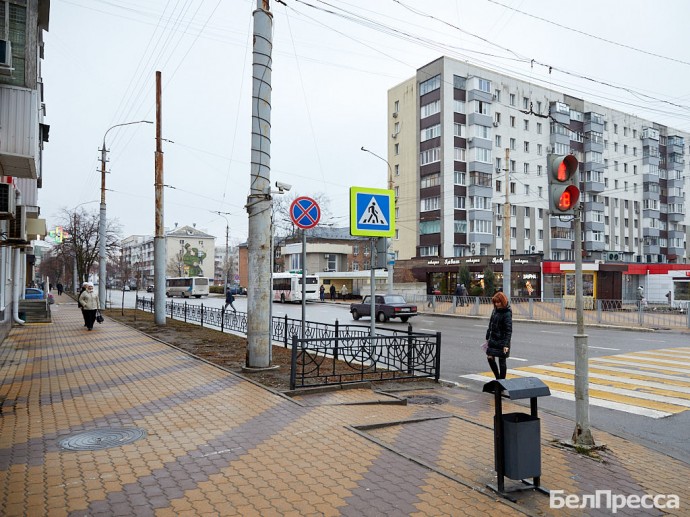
{"x":22,"y":136}
{"x":454,"y":130}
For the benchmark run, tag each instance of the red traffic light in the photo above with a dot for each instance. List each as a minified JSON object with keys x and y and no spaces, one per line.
{"x":568,"y":198}
{"x":564,"y":167}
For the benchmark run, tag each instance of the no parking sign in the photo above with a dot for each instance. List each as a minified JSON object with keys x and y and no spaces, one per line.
{"x":305,"y":212}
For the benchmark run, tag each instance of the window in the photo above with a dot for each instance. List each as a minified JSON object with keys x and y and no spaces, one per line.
{"x":429,"y":203}
{"x":430,"y":156}
{"x":482,"y":107}
{"x":460,"y":154}
{"x":482,"y":155}
{"x":526,"y":190}
{"x":459,"y":202}
{"x":498,"y":141}
{"x":527,"y":233}
{"x":480,"y":226}
{"x":540,"y":191}
{"x":396,"y":106}
{"x":525,"y":125}
{"x":539,"y":128}
{"x":512,"y":190}
{"x":525,"y":167}
{"x":513,"y":232}
{"x":459,"y":178}
{"x":512,"y":144}
{"x":484,"y":85}
{"x":540,"y":235}
{"x":482,"y":132}
{"x":538,"y":107}
{"x":459,"y":106}
{"x":397,"y":169}
{"x":430,"y":85}
{"x":497,"y":118}
{"x":459,"y":130}
{"x":355,"y":249}
{"x":428,"y":251}
{"x":625,"y":149}
{"x":427,"y":227}
{"x":512,"y":121}
{"x":625,"y":131}
{"x":539,"y":167}
{"x":625,"y":167}
{"x":430,"y":132}
{"x":526,"y":147}
{"x":539,"y":149}
{"x":459,"y":82}
{"x":430,"y":181}
{"x":512,"y":99}
{"x":512,"y":165}
{"x":480,"y":203}
{"x":615,"y":147}
{"x":525,"y":103}
{"x":499,"y":185}
{"x":615,"y":129}
{"x":430,"y":109}
{"x":396,"y":149}
{"x":527,"y":211}
{"x":634,"y":151}
{"x":497,"y":95}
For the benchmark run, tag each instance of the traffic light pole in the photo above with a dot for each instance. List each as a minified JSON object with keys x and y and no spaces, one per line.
{"x":506,"y":232}
{"x":582,"y":434}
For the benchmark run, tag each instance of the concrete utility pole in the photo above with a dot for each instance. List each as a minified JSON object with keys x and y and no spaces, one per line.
{"x":583,"y":433}
{"x":159,"y":257}
{"x":506,"y":232}
{"x":102,"y":259}
{"x":259,"y":200}
{"x":389,"y":260}
{"x":227,"y":247}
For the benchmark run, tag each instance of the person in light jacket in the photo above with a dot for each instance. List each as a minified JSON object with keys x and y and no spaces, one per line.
{"x":89,"y":305}
{"x":498,"y":335}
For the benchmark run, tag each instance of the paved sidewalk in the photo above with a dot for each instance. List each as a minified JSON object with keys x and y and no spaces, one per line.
{"x":169,"y":434}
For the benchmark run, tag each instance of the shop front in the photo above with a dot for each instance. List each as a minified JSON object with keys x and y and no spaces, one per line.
{"x":443,"y":274}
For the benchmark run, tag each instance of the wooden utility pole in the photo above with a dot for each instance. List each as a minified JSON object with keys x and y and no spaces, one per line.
{"x":159,"y":237}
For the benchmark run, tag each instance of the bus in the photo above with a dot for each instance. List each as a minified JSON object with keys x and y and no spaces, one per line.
{"x":287,"y":287}
{"x":195,"y":286}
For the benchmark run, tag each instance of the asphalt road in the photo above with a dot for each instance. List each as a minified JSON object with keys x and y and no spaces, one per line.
{"x":534,"y":344}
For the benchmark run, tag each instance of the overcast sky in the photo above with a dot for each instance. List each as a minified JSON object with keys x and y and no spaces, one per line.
{"x":333,"y":63}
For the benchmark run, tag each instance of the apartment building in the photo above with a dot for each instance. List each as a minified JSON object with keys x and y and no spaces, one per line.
{"x":22,"y":135}
{"x":454,"y":130}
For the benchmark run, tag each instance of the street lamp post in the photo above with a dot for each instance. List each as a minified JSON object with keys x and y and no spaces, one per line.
{"x":389,"y":259}
{"x":101,"y":221}
{"x":227,"y":247}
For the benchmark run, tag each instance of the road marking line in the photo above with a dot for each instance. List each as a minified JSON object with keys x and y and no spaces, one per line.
{"x":617,"y":406}
{"x":518,"y":359}
{"x":631,"y":361}
{"x":633,"y":374}
{"x":653,"y":400}
{"x":605,"y":348}
{"x":550,"y":332}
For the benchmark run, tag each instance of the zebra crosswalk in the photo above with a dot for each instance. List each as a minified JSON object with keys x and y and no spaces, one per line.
{"x":653,"y":383}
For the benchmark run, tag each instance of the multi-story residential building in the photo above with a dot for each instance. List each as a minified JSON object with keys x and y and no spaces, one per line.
{"x":189,"y":252}
{"x":454,"y":130}
{"x":22,"y":134}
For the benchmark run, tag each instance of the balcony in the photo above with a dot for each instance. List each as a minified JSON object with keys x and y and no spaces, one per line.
{"x":19,"y":132}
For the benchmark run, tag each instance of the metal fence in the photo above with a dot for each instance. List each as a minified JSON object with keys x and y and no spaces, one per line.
{"x":347,"y":358}
{"x":627,"y":313}
{"x":328,"y":353}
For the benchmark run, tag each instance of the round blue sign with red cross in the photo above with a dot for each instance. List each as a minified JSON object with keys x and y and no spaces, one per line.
{"x":305,"y":212}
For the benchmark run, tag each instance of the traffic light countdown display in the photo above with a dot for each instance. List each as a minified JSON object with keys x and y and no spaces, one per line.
{"x":564,"y":186}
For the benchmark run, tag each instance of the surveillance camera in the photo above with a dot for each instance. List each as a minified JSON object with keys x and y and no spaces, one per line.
{"x":283,"y":186}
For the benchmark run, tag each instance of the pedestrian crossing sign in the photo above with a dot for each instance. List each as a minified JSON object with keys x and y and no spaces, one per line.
{"x":372,"y":212}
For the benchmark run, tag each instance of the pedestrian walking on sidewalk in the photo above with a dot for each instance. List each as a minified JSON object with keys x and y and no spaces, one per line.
{"x":322,"y":293}
{"x":59,"y":288}
{"x":83,"y":315}
{"x":332,"y":291}
{"x":498,"y":335}
{"x":229,"y":300}
{"x":89,"y":303}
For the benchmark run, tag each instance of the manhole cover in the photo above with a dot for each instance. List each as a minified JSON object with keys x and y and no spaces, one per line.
{"x":101,"y":439}
{"x":428,"y":400}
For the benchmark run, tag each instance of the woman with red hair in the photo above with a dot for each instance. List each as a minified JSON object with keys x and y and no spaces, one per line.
{"x":498,"y":335}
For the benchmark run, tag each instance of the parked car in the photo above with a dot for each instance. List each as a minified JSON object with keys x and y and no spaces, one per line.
{"x":33,"y":293}
{"x":149,"y":289}
{"x":387,"y":306}
{"x":237,"y":289}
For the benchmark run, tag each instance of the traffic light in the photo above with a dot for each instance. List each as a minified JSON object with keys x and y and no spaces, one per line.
{"x":564,"y":186}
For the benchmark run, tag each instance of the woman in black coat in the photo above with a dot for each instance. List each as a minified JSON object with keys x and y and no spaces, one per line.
{"x":498,"y":335}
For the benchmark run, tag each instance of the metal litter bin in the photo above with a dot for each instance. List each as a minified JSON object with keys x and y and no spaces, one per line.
{"x":517,"y":436}
{"x":521,"y":446}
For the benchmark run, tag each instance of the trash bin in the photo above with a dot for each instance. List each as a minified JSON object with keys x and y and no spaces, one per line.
{"x":522,"y":446}
{"x":517,"y":436}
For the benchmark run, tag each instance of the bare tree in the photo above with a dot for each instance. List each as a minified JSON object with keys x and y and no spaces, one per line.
{"x":83,"y":242}
{"x":175,"y":266}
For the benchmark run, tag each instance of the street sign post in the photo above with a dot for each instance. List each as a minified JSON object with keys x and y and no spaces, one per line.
{"x":305,"y":213}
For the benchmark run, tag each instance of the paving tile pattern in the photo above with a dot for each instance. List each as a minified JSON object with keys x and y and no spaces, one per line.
{"x":216,"y":444}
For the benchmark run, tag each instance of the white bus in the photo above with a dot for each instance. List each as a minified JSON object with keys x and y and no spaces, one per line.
{"x":287,"y":287}
{"x":195,"y":286}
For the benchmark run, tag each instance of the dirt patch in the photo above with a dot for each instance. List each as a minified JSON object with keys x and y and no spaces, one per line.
{"x":223,"y":349}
